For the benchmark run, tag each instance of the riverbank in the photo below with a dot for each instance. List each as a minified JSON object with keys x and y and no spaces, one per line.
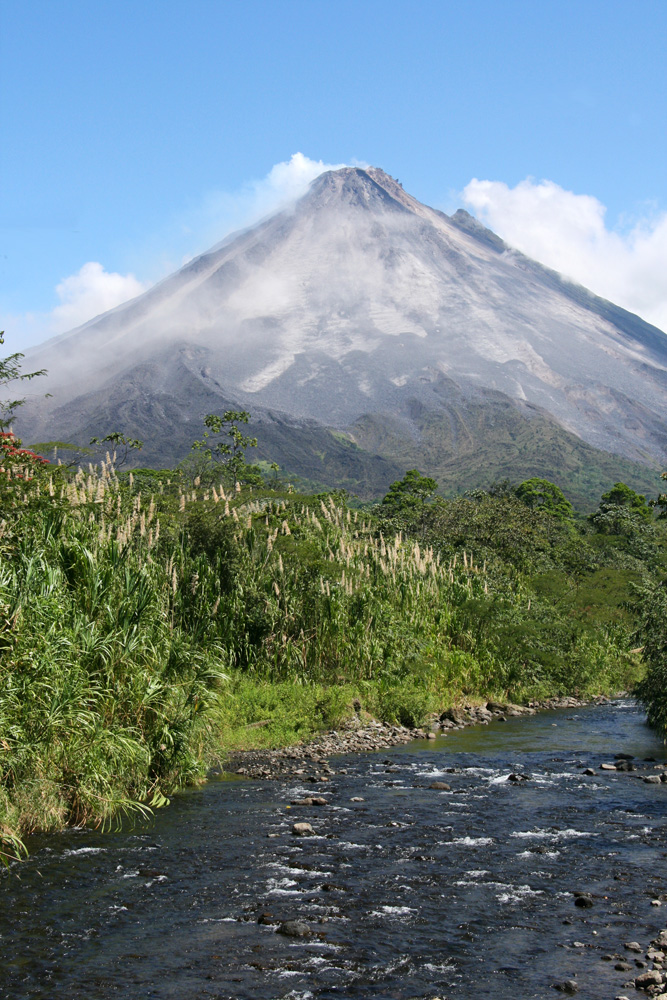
{"x":309,"y":761}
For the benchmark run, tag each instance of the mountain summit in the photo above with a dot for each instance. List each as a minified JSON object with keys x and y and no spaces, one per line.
{"x":361,"y":310}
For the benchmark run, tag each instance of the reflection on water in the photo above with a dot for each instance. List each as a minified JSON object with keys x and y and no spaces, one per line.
{"x":411,"y":892}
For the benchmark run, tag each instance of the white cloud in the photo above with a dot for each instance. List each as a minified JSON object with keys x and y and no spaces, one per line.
{"x":82,"y":296}
{"x":89,"y":292}
{"x":92,"y":290}
{"x":568,"y":232}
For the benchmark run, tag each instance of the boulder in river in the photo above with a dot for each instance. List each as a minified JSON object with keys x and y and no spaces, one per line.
{"x":294,"y":928}
{"x":302,"y":830}
{"x":648,"y":980}
{"x":440,"y":786}
{"x":584,"y":900}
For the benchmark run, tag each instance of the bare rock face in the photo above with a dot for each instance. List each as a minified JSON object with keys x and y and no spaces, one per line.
{"x":360,"y":302}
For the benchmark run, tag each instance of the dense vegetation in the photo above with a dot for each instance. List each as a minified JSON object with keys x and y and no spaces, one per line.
{"x":149,"y":621}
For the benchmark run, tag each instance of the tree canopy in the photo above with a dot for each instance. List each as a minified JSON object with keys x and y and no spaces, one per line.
{"x":540,"y":494}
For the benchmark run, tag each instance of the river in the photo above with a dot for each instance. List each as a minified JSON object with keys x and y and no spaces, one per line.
{"x":410,"y":893}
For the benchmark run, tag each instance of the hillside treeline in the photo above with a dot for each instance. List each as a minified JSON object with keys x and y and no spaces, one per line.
{"x":149,"y":619}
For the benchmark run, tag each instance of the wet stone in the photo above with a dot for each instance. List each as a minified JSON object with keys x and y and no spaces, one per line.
{"x":440,"y":786}
{"x":648,"y":979}
{"x":294,"y":928}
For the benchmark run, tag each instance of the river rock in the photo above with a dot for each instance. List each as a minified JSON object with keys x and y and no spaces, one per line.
{"x":624,"y":756}
{"x":633,"y":946}
{"x":455,"y":715}
{"x":607,"y":767}
{"x":567,"y":986}
{"x":302,"y":830}
{"x":440,"y":786}
{"x":590,"y":772}
{"x":294,"y":928}
{"x":625,"y":765}
{"x":648,"y":979}
{"x":357,"y":798}
{"x":584,"y":900}
{"x":623,"y":967}
{"x":652,"y":779}
{"x":661,"y":940}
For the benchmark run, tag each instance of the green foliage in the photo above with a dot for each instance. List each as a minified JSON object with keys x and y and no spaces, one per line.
{"x":540,"y":494}
{"x":10,"y":372}
{"x":651,"y":608}
{"x":660,"y":504}
{"x":229,"y":450}
{"x":404,"y":505}
{"x":146,"y":623}
{"x":122,"y":446}
{"x":622,"y":512}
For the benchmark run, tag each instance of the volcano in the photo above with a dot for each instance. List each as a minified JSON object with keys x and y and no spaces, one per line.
{"x":368,"y":333}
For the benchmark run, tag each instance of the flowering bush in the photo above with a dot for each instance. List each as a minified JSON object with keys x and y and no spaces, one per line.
{"x":17,"y":462}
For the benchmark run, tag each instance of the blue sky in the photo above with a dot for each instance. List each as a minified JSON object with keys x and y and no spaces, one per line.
{"x":135,"y":134}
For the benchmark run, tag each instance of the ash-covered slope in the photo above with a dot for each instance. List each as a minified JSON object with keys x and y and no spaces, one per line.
{"x":361,"y":302}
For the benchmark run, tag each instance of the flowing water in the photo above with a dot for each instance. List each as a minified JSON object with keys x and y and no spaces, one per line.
{"x":411,"y":892}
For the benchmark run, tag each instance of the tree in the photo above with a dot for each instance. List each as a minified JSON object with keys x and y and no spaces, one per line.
{"x":10,"y":371}
{"x":661,"y":502}
{"x":119,"y":440}
{"x":621,"y":511}
{"x":229,"y":450}
{"x":406,"y":501}
{"x":650,"y":606}
{"x":540,"y":494}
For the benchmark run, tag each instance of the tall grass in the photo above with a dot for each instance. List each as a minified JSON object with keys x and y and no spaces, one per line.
{"x":135,"y":629}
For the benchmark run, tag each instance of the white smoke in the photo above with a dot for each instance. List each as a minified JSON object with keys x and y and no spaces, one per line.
{"x":568,"y":232}
{"x":223,"y":212}
{"x":93,"y":290}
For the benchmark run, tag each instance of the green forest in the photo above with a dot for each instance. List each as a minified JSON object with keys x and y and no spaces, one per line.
{"x":148,"y":618}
